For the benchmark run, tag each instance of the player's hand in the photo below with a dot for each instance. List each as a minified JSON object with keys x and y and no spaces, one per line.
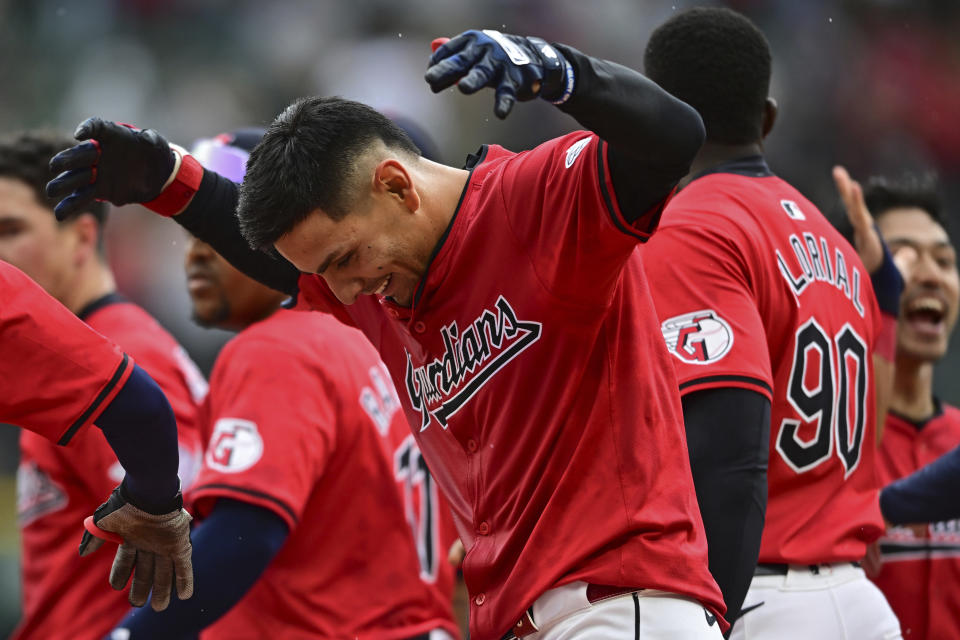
{"x":156,"y":548}
{"x":518,"y":68}
{"x":866,"y":238}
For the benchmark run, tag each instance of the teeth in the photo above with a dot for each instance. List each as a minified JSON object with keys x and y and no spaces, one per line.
{"x":383,"y":287}
{"x":926,"y":304}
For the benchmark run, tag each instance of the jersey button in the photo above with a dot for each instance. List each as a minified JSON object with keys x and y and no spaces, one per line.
{"x":471,"y":445}
{"x":480,"y":599}
{"x":484,"y":528}
{"x":419,"y":326}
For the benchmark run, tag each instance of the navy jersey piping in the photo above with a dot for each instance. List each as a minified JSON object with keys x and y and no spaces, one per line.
{"x":920,"y":424}
{"x":727,"y":378}
{"x":251,"y":492}
{"x":100,"y":303}
{"x":473,"y":161}
{"x":753,"y":166}
{"x":608,"y":201}
{"x":111,"y":384}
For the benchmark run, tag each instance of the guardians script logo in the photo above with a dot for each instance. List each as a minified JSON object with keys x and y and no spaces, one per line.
{"x":471,"y":357}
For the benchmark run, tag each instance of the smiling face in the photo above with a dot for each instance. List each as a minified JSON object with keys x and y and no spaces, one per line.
{"x":382,"y":246}
{"x":927,"y":259}
{"x":378,"y":251}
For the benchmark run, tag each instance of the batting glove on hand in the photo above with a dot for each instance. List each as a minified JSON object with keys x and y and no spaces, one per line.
{"x":518,"y":68}
{"x":121,"y":164}
{"x":156,"y":548}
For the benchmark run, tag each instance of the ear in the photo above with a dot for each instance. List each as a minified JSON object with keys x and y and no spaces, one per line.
{"x":770,"y":110}
{"x":86,"y":232}
{"x":391,"y":178}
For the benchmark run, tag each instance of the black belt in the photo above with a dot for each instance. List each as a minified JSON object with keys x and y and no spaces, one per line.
{"x":776,"y":569}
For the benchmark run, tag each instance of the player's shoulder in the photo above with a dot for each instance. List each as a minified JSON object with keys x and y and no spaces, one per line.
{"x":951,"y":414}
{"x":131,"y":327}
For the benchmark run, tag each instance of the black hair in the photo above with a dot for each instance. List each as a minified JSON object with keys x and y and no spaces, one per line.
{"x":718,"y":62}
{"x":908,"y":190}
{"x":306,"y":161}
{"x":25,"y":156}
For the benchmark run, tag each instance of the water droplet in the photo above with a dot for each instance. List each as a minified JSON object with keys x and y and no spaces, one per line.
{"x":399,"y":35}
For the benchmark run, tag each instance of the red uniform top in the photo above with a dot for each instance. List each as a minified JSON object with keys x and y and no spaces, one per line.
{"x":755,"y":289}
{"x":57,"y":375}
{"x":58,"y":487}
{"x":921,"y":575}
{"x":536,"y":382}
{"x":302,"y":420}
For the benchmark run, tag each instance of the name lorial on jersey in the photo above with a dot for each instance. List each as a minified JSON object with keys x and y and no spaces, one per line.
{"x":814,"y":262}
{"x":471,"y":357}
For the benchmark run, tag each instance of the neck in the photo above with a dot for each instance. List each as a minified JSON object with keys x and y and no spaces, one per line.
{"x":441,"y":197}
{"x":94,"y":280}
{"x":713,"y":154}
{"x":913,"y":389}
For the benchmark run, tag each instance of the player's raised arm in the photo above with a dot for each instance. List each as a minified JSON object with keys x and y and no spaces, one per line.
{"x":122,"y":164}
{"x":927,"y":495}
{"x":652,"y":136}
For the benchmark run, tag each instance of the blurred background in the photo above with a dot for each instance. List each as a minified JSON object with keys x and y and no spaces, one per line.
{"x":871,"y":84}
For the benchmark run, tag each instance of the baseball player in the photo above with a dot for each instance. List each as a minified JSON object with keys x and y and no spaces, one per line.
{"x":770,"y":318}
{"x":920,"y":573}
{"x":304,"y":533}
{"x":59,"y":376}
{"x":528,"y":358}
{"x":57,"y":486}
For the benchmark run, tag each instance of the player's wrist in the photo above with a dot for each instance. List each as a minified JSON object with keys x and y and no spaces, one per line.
{"x":181,"y":185}
{"x":129,"y":492}
{"x":887,"y":284}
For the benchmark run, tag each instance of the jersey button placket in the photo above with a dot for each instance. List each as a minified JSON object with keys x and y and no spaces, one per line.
{"x":419,"y":326}
{"x":472,"y":446}
{"x":484,"y":528}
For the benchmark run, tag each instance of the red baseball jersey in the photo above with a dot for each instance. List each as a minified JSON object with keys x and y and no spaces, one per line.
{"x":302,"y":419}
{"x":533,"y":375}
{"x":755,"y":289}
{"x":58,"y":487}
{"x":57,"y":374}
{"x":921,"y":574}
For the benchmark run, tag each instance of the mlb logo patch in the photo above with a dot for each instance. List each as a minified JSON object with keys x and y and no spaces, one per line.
{"x":699,"y":337}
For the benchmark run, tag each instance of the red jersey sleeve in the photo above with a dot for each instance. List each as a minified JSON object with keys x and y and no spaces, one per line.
{"x":271,"y":430}
{"x":561,"y":206}
{"x":57,"y":374}
{"x":701,"y":287}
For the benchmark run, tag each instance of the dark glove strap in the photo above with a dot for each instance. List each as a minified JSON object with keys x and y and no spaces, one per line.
{"x":121,"y":496}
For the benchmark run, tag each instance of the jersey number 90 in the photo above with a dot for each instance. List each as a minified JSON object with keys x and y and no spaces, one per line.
{"x":834,"y":400}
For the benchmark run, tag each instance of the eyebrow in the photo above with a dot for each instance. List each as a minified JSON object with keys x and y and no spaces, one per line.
{"x":939,"y":244}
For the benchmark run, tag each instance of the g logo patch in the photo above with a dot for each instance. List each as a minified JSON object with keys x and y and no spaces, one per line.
{"x":235,"y":445}
{"x":700,"y":337}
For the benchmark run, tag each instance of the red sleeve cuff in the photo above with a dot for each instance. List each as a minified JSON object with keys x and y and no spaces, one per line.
{"x":177,"y":195}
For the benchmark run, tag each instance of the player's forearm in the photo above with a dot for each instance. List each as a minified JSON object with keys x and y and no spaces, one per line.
{"x":211,"y":217}
{"x":652,"y":136}
{"x":231,"y":549}
{"x":931,"y":494}
{"x":728,"y":434}
{"x":140,"y":427}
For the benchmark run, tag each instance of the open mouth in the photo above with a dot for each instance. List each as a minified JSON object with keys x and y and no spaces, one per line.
{"x":383,"y":286}
{"x":925,"y":315}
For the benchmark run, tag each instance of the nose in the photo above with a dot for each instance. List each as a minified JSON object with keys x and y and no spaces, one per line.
{"x":926,"y":271}
{"x":346,"y":289}
{"x":198,"y":250}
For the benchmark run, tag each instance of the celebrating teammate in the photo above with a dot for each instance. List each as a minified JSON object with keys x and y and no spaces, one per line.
{"x":57,"y":486}
{"x":528,"y":354}
{"x":920,"y":574}
{"x":771,"y":320}
{"x":298,"y":490}
{"x":58,"y":377}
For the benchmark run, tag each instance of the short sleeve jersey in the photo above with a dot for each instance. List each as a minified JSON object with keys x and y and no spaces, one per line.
{"x":532,"y":373}
{"x":920,"y":575}
{"x":57,"y":374}
{"x":57,"y":487}
{"x":301,"y":419}
{"x":755,"y":289}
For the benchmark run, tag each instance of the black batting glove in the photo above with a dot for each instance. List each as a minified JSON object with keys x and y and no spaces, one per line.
{"x":156,"y":548}
{"x":113,"y":162}
{"x":518,"y":68}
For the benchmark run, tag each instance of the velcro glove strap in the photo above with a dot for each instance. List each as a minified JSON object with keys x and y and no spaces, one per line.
{"x":181,"y":188}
